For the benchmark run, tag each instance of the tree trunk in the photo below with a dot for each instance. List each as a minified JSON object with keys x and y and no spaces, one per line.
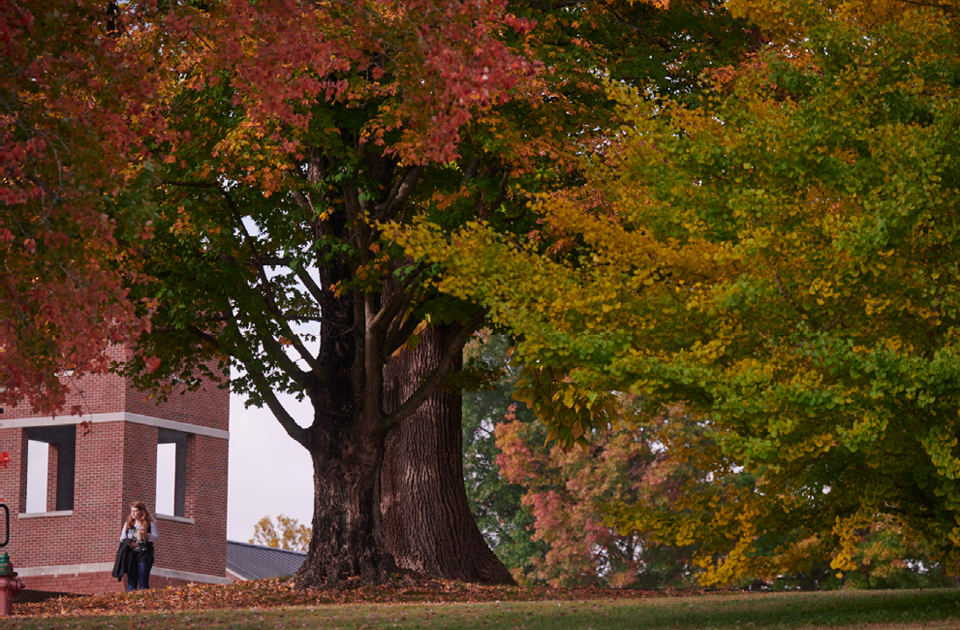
{"x":346,"y":445}
{"x":384,"y":498}
{"x":347,"y":540}
{"x":427,"y":521}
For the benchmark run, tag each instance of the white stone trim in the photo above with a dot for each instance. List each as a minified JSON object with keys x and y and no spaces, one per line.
{"x":187,"y":576}
{"x":177,"y":519}
{"x":41,"y":514}
{"x":65,"y":569}
{"x":65,"y":420}
{"x":183,"y":427}
{"x":115,"y":416}
{"x":101,"y":567}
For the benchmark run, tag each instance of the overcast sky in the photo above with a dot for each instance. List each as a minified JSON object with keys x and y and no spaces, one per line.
{"x":270,"y":474}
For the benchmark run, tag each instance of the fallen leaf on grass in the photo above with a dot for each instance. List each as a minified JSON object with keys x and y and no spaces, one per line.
{"x":276,"y":593}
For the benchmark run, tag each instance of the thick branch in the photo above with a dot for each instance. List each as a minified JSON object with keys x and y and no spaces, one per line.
{"x":276,"y":350}
{"x":398,"y":196}
{"x":397,"y":337}
{"x":429,"y":385}
{"x":206,"y":338}
{"x":315,"y":291}
{"x":394,"y":305}
{"x":312,"y":287}
{"x":294,"y":430}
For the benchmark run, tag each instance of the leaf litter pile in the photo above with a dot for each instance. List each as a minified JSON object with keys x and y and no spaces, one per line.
{"x":277,"y":593}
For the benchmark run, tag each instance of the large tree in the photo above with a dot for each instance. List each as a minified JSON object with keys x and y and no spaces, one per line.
{"x":300,"y":128}
{"x":295,"y":132}
{"x":782,"y":257}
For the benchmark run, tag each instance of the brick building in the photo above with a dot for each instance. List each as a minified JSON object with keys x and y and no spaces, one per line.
{"x":94,"y":476}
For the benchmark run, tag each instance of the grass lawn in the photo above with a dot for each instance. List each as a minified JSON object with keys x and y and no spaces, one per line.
{"x":470,"y":608}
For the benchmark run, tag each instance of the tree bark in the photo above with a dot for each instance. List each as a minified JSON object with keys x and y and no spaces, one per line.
{"x":346,"y":446}
{"x":347,"y":541}
{"x":427,"y":522}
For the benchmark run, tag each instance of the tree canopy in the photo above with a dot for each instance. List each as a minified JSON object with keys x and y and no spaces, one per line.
{"x":300,"y":127}
{"x":264,"y":145}
{"x":780,"y":257}
{"x":74,"y":209}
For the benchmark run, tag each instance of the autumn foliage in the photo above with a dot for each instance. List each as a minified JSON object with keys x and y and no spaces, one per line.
{"x":288,"y":533}
{"x":745,"y":217}
{"x":779,"y":255}
{"x":567,"y":489}
{"x":72,"y":213}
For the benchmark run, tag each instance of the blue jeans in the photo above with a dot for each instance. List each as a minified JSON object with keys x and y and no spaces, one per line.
{"x":141,"y":577}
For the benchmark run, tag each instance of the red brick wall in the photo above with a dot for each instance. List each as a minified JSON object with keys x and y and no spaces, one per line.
{"x":92,"y":532}
{"x":139,"y":468}
{"x":206,"y":407}
{"x":53,"y":453}
{"x":106,"y":393}
{"x":94,"y":393}
{"x":98,"y":506}
{"x":116,"y":465}
{"x":199,"y":547}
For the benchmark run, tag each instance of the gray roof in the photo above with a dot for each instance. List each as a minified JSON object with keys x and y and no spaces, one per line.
{"x":253,"y":562}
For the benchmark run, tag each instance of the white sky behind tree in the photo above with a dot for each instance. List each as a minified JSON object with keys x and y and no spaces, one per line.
{"x":270,"y":474}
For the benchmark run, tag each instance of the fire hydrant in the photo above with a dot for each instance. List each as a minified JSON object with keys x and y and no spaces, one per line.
{"x":10,"y":585}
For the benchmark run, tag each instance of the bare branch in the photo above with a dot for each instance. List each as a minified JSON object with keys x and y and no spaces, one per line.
{"x":270,"y":300}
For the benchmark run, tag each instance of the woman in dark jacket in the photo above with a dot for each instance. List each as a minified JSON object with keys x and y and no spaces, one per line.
{"x":140,"y":532}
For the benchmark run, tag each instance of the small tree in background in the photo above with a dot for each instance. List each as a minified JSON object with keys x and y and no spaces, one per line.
{"x":539,"y":505}
{"x":566,"y":490}
{"x":287,"y":534}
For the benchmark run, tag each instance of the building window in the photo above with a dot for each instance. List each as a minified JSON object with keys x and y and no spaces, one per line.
{"x":171,"y":472}
{"x":37,"y":479}
{"x":51,"y":464}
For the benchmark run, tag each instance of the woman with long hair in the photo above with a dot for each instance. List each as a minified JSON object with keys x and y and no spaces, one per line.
{"x":140,"y":532}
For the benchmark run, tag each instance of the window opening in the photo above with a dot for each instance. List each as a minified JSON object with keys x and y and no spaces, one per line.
{"x":171,"y":472}
{"x":50,"y":483}
{"x":166,"y":478}
{"x":37,"y":477}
